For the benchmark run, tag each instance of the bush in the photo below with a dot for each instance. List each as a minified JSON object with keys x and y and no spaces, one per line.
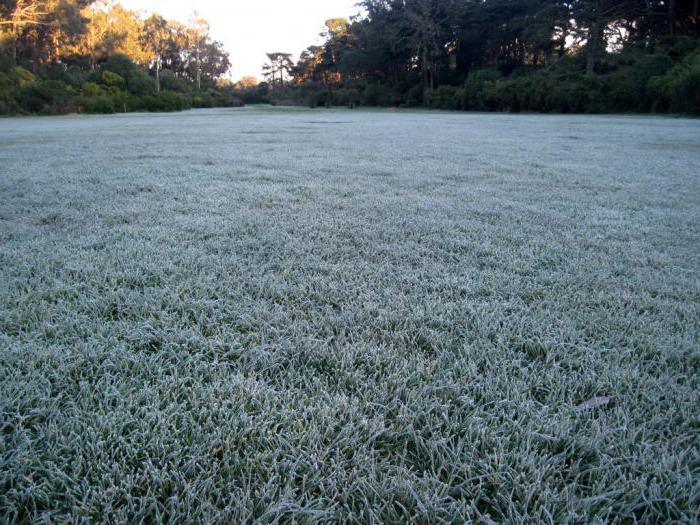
{"x":21,"y":76}
{"x":8,"y":95}
{"x":97,"y":104}
{"x":164,"y":101}
{"x":90,"y":89}
{"x":71,"y":76}
{"x":48,"y":96}
{"x":679,"y":90}
{"x":171,"y":82}
{"x":255,"y":95}
{"x":685,"y":91}
{"x":381,"y":95}
{"x":5,"y":81}
{"x":109,"y":78}
{"x":415,"y":96}
{"x":319,"y":98}
{"x":202,"y":101}
{"x":348,"y":97}
{"x":136,"y":81}
{"x":224,"y":98}
{"x":445,"y":97}
{"x":479,"y":90}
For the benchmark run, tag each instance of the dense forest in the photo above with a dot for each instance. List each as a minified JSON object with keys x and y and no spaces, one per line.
{"x":59,"y":56}
{"x":529,"y":55}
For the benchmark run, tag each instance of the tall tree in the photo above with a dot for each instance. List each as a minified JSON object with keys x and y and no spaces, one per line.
{"x":278,"y":68}
{"x":156,"y":38}
{"x":39,"y":29}
{"x":198,"y":36}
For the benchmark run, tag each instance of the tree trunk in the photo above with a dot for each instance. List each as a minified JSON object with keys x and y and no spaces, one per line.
{"x":592,"y":46}
{"x":672,"y":17}
{"x":158,"y":75}
{"x":199,"y":70}
{"x":562,"y":46}
{"x":15,"y":42}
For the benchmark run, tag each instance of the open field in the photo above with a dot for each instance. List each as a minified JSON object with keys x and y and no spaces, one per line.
{"x":350,"y":316}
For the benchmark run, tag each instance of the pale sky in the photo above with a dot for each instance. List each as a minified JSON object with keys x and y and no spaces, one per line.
{"x":250,"y":28}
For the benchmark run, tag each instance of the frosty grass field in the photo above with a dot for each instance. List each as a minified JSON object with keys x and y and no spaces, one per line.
{"x":327,"y":315}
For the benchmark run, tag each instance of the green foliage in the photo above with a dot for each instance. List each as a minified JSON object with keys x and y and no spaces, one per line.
{"x":45,"y":96}
{"x":631,"y":81}
{"x":685,"y":89}
{"x":171,"y":82}
{"x":479,"y":89}
{"x":505,"y":55}
{"x":136,"y":81}
{"x":70,"y":75}
{"x":112,"y":79}
{"x":381,"y":95}
{"x":164,"y":101}
{"x":5,"y":81}
{"x":348,"y":97}
{"x":445,"y":97}
{"x":118,"y":85}
{"x":8,"y":95}
{"x":679,"y":90}
{"x":415,"y":96}
{"x":97,"y":104}
{"x":254,"y":95}
{"x":91,"y":89}
{"x":21,"y":76}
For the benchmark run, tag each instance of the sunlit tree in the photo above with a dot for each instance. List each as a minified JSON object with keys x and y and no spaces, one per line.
{"x":156,"y":38}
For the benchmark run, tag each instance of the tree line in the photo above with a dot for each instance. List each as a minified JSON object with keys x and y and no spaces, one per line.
{"x":515,"y":55}
{"x":538,"y":55}
{"x":96,"y":56}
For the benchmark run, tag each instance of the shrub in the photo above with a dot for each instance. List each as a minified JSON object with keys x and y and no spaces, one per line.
{"x":90,"y":89}
{"x":69,"y":75}
{"x":21,"y":76}
{"x":255,"y":95}
{"x":679,"y":89}
{"x":8,"y":95}
{"x":224,"y":98}
{"x":97,"y":104}
{"x":164,"y":101}
{"x":320,"y":97}
{"x":381,"y":95}
{"x":480,"y":89}
{"x":136,"y":81}
{"x":445,"y":97}
{"x":415,"y":96}
{"x":5,"y":81}
{"x":349,"y":97}
{"x":171,"y":82}
{"x":685,"y":90}
{"x":109,"y":78}
{"x":201,"y":101}
{"x":48,"y":96}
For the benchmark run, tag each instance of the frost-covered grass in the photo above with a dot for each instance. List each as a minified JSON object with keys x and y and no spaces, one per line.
{"x":293,"y":315}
